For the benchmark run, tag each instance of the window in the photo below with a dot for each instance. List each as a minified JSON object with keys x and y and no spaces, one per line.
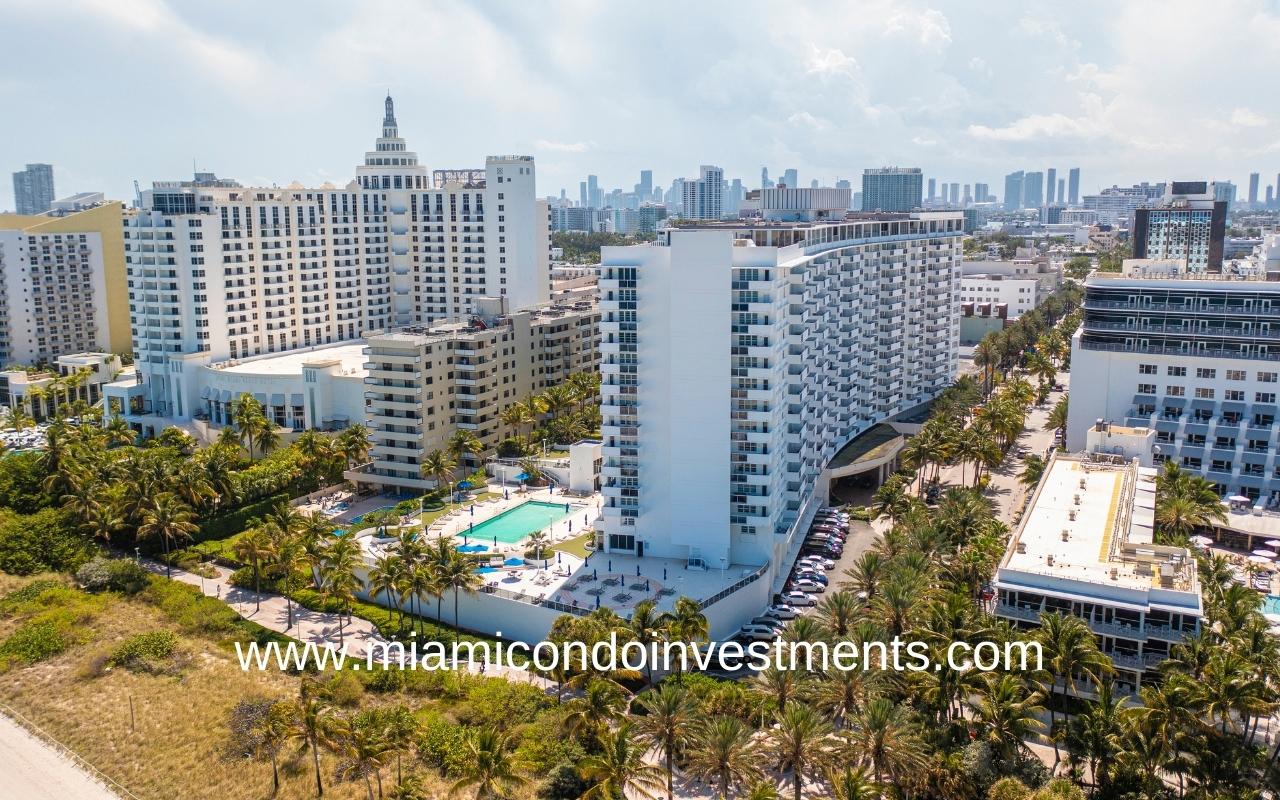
{"x":1264,"y":397}
{"x":1204,"y":372}
{"x":1267,"y":377}
{"x":1146,"y":369}
{"x":1204,"y":393}
{"x":1235,"y":394}
{"x":1175,"y":391}
{"x":1235,"y":374}
{"x":1177,"y":372}
{"x":1146,"y":388}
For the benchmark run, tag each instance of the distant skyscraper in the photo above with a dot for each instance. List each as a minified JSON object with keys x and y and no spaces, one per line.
{"x":704,"y":197}
{"x":1270,"y":194}
{"x":813,"y":184}
{"x":33,"y":189}
{"x":968,"y":195}
{"x":980,"y":191}
{"x":933,"y":188}
{"x":646,"y":184}
{"x":583,"y":199}
{"x":1253,"y":188}
{"x":1013,"y":191}
{"x":1188,"y":224}
{"x":1073,"y":186}
{"x":791,"y":178}
{"x":1224,"y":190}
{"x":1062,"y":190}
{"x":1033,"y":189}
{"x":595,"y":196}
{"x":1050,"y":185}
{"x":892,"y":189}
{"x":765,"y":183}
{"x":953,"y":194}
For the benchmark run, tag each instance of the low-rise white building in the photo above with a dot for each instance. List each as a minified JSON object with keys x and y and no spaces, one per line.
{"x":1085,"y":547}
{"x":77,"y":376}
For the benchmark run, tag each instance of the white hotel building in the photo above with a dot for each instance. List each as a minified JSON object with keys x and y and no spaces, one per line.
{"x":218,"y":272}
{"x":738,"y":359}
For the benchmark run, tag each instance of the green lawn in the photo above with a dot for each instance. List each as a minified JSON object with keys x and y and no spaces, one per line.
{"x":577,"y":546}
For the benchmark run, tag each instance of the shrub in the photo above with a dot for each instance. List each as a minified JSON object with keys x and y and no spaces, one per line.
{"x":112,"y":574}
{"x":233,"y":522}
{"x":563,"y":783}
{"x":497,"y":703}
{"x":442,"y":744}
{"x":46,"y":541}
{"x":144,"y":651}
{"x":385,"y":680}
{"x":28,"y":594}
{"x":34,"y":641}
{"x":1009,"y":789}
{"x":543,"y":744}
{"x":345,"y":689}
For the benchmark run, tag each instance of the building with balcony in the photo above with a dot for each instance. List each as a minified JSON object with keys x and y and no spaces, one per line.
{"x":422,"y":384}
{"x":738,"y":359}
{"x":62,"y":286}
{"x":75,"y":377}
{"x":892,"y":189}
{"x":1194,"y":356}
{"x":219,"y":271}
{"x":1085,"y":548}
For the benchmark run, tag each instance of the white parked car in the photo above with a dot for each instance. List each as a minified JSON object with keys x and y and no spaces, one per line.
{"x":795,"y":597}
{"x":781,"y":611}
{"x":817,"y":562}
{"x":758,"y":633}
{"x":806,"y":585}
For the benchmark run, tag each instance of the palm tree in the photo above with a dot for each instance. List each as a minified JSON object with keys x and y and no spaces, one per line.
{"x":664,"y":725}
{"x":459,"y":575}
{"x":387,"y":578}
{"x":118,"y":432}
{"x":515,"y":417}
{"x":365,"y":749}
{"x":257,"y":548}
{"x":290,"y":559}
{"x":1058,"y":419}
{"x":1069,"y":649}
{"x":1032,"y":470}
{"x":853,"y":783}
{"x":530,"y":466}
{"x":584,"y":386}
{"x":313,"y":724}
{"x":168,"y":519}
{"x":339,"y":581}
{"x":779,"y":684}
{"x":1094,"y":732}
{"x":723,"y":750}
{"x":620,"y":770}
{"x":1006,"y":715}
{"x":867,"y":573}
{"x":838,"y":611}
{"x":647,"y":627}
{"x":892,"y":499}
{"x":799,"y":740}
{"x":353,"y":444}
{"x":538,"y":540}
{"x":590,"y":714}
{"x":437,"y":466}
{"x":463,"y":444}
{"x":103,"y":519}
{"x":686,"y":623}
{"x":884,"y":735}
{"x":489,"y":766}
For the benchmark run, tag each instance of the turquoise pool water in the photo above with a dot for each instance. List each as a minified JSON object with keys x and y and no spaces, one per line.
{"x":1271,"y":604}
{"x":513,"y":525}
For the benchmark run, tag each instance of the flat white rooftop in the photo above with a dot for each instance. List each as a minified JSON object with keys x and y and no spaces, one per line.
{"x":351,"y":355}
{"x":1092,"y":521}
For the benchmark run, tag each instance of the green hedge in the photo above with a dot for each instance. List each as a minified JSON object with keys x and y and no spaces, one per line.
{"x":233,"y":522}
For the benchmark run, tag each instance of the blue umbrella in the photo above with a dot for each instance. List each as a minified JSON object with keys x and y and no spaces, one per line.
{"x":664,"y":573}
{"x":597,"y":601}
{"x":595,"y":574}
{"x":513,"y":562}
{"x":522,"y":477}
{"x":637,"y":570}
{"x":473,"y":510}
{"x":470,"y":526}
{"x":505,"y":496}
{"x":611,"y":565}
{"x":557,"y":556}
{"x":464,"y":484}
{"x":495,"y":541}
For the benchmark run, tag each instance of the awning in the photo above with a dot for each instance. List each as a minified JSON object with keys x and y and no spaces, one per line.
{"x":1174,"y":402}
{"x":1265,"y":410}
{"x":261,"y":397}
{"x":205,"y":392}
{"x":225,"y":395}
{"x":277,"y":399}
{"x":1207,"y":405}
{"x":295,"y":399}
{"x":1239,"y":408}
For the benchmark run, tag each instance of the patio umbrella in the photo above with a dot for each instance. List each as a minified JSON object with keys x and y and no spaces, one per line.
{"x":664,"y":573}
{"x":1273,"y":619}
{"x":1239,"y":498}
{"x":1260,"y":559}
{"x":611,"y":565}
{"x":637,"y":570}
{"x":595,"y":574}
{"x":473,"y":509}
{"x":495,"y":541}
{"x":1265,"y":553}
{"x":597,"y":601}
{"x":1272,"y":543}
{"x":522,"y":477}
{"x":513,"y":562}
{"x":505,"y":496}
{"x":557,"y":556}
{"x":464,"y":484}
{"x":1203,"y":541}
{"x":470,"y":527}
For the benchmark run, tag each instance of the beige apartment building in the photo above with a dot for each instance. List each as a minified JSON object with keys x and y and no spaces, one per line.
{"x":425,"y":383}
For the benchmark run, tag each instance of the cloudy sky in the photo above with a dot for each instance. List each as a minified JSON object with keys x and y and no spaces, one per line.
{"x":270,"y":92}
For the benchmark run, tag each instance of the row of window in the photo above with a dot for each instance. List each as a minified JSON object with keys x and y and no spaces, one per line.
{"x":1206,"y":373}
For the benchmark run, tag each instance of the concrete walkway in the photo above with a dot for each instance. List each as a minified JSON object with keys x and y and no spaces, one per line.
{"x":36,"y":770}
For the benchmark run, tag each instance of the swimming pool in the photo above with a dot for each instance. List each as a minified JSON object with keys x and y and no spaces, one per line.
{"x":514,"y":524}
{"x":1271,"y":604}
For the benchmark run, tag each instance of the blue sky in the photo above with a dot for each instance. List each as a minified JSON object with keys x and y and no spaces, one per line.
{"x":270,"y":92}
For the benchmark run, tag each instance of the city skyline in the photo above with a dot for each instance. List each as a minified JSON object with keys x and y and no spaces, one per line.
{"x":1064,"y":92}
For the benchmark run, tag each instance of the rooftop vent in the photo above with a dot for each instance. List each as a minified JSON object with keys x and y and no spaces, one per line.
{"x":1084,"y":484}
{"x":1066,"y":535}
{"x":1021,"y":547}
{"x":1071,"y":514}
{"x":1115,"y":574}
{"x":1049,"y":559}
{"x":1077,"y":499}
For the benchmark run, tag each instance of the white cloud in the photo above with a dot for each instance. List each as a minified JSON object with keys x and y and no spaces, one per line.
{"x":562,"y":147}
{"x":1037,"y":126}
{"x":930,"y":27}
{"x":803,"y":119}
{"x":923,"y":141}
{"x":1247,"y":118}
{"x":830,"y":62}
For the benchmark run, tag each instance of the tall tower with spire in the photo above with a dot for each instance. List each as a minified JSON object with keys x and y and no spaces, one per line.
{"x":389,"y":128}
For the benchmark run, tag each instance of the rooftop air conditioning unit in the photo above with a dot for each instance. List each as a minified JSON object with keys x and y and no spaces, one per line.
{"x":1049,"y":559}
{"x":1021,"y":547}
{"x":1077,"y":499}
{"x":1115,"y":573}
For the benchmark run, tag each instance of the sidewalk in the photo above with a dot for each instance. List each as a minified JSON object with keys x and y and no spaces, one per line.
{"x":271,"y":611}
